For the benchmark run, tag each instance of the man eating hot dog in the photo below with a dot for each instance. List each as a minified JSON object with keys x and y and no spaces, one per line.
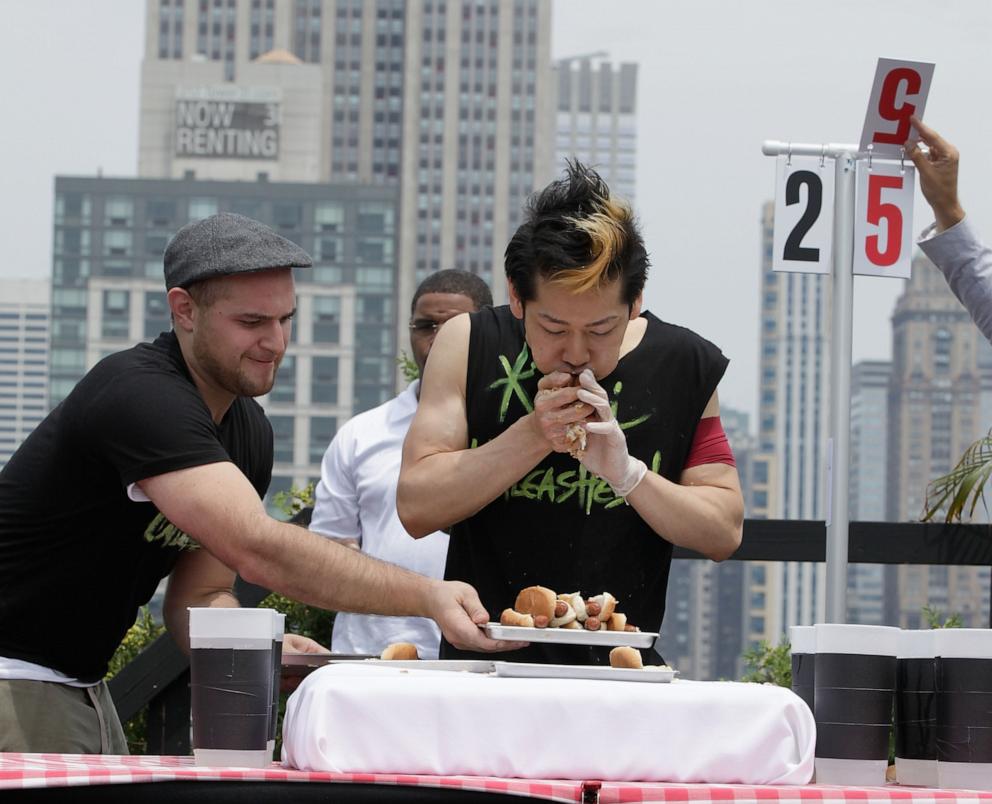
{"x":505,"y":393}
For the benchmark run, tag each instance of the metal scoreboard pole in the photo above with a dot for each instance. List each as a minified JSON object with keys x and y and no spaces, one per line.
{"x":840,"y":359}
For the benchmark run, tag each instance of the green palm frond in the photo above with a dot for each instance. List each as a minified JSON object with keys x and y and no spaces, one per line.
{"x":964,"y":482}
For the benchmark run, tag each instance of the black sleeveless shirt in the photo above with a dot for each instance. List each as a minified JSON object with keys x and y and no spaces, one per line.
{"x":560,"y":526}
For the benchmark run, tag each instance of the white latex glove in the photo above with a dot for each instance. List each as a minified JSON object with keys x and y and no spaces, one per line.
{"x":606,"y":447}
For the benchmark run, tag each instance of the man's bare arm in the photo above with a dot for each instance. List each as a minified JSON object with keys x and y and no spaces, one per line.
{"x":442,"y":481}
{"x":704,"y":511}
{"x":217,"y":506}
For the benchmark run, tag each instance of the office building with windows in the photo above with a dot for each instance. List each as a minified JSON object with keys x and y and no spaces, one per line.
{"x":443,"y":99}
{"x":108,"y":291}
{"x":793,"y":415}
{"x":867,"y":482}
{"x":939,"y":391}
{"x":596,"y":119}
{"x":24,"y":327}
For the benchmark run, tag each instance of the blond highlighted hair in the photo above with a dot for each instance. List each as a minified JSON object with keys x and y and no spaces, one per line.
{"x":576,"y":235}
{"x":607,"y":232}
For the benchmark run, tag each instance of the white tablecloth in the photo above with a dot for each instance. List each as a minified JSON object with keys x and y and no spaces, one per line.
{"x":377,"y":719}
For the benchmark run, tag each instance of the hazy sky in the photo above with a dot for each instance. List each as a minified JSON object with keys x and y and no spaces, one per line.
{"x":716,"y":79}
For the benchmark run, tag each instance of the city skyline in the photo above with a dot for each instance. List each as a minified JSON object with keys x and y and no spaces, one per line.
{"x":83,"y":93}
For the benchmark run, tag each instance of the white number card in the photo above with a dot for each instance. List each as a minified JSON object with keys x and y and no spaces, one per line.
{"x":804,"y":214}
{"x":900,"y":90}
{"x":883,"y":222}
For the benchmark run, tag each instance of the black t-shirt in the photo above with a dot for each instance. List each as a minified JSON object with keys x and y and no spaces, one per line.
{"x":78,"y":557}
{"x":560,"y":526}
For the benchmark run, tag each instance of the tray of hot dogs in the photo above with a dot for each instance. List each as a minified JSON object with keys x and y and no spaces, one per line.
{"x":539,"y":615}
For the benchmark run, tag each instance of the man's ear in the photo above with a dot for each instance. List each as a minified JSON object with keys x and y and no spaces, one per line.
{"x":516,"y":304}
{"x":635,"y":308}
{"x":183,"y":308}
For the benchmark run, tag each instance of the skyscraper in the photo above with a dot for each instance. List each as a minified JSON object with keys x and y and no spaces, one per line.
{"x":870,"y":458}
{"x":24,"y":329}
{"x":793,"y":413}
{"x":939,"y":389}
{"x":596,"y":119}
{"x":441,"y":98}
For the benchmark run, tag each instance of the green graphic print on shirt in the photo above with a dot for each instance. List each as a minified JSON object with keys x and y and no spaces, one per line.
{"x":543,"y":483}
{"x":161,"y":529}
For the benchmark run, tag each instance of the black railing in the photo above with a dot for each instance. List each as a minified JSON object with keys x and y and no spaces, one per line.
{"x":159,"y":676}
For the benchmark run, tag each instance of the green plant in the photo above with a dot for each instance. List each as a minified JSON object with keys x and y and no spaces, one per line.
{"x":308,"y":621}
{"x":768,"y":664}
{"x":146,"y":629}
{"x":295,"y":500}
{"x":963,"y":484}
{"x":409,"y":368}
{"x":935,"y":619}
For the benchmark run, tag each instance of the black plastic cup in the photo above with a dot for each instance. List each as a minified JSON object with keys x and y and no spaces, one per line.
{"x":854,"y":689}
{"x":916,"y":709}
{"x":231,"y":669}
{"x":964,"y":708}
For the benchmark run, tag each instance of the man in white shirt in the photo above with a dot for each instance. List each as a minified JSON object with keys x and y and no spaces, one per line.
{"x":951,"y":242}
{"x":356,"y":495}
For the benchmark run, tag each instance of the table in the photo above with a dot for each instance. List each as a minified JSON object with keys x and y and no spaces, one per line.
{"x":157,"y":778}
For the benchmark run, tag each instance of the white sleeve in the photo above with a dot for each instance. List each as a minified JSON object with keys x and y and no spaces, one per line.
{"x":966,"y":264}
{"x":336,"y":509}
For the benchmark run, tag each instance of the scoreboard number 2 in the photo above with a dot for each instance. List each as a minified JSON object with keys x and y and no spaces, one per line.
{"x":804,"y":202}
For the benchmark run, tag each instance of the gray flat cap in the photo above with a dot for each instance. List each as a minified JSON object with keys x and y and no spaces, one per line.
{"x":225,"y":244}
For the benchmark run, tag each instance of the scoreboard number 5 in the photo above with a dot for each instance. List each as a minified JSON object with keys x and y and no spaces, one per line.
{"x":883,"y":236}
{"x":804,"y":204}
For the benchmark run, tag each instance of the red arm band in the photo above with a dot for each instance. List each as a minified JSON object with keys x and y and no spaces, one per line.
{"x":710,"y":444}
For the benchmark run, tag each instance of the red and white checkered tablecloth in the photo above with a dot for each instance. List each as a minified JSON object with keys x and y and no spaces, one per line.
{"x":65,"y":770}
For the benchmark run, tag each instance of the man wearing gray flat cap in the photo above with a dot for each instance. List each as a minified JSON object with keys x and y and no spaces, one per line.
{"x":155,"y":466}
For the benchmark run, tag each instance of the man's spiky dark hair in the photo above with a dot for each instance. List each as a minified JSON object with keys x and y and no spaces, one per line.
{"x":577,"y":235}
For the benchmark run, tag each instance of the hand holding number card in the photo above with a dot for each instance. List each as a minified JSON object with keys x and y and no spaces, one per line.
{"x":899,"y":92}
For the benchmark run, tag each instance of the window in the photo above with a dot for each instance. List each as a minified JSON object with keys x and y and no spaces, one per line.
{"x":155,"y":243}
{"x":68,"y":360}
{"x":326,"y":319}
{"x":160,"y":212}
{"x":287,"y":216}
{"x":72,"y":208}
{"x":116,"y":313}
{"x":284,"y":389}
{"x":322,"y":430}
{"x":72,"y":241}
{"x":118,"y":211}
{"x":375,"y":249}
{"x":282,"y":438}
{"x":327,"y":249}
{"x":328,"y":217}
{"x":374,"y":277}
{"x":157,"y":318}
{"x":117,"y":244}
{"x":202,"y":208}
{"x":375,"y":218}
{"x":324,"y":382}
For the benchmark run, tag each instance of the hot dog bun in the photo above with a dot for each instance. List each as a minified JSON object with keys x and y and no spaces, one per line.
{"x":625,"y":657}
{"x":511,"y":617}
{"x":618,"y":622}
{"x":536,"y":600}
{"x":566,"y":617}
{"x":575,"y":600}
{"x":607,"y":605}
{"x":405,"y":651}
